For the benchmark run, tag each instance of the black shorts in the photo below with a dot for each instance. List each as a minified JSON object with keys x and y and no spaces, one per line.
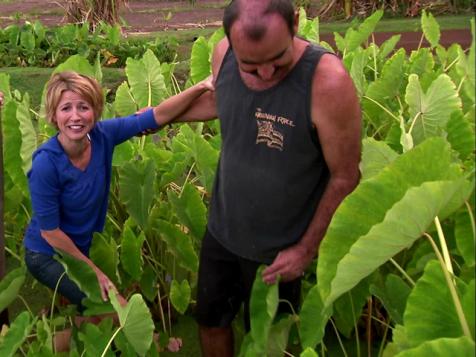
{"x":224,"y":283}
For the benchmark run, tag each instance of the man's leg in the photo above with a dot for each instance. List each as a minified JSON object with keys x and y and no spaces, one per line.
{"x":219,"y":296}
{"x":216,"y":341}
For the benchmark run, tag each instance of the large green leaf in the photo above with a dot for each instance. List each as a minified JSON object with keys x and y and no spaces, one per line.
{"x":313,"y":319}
{"x":393,"y":295}
{"x":174,"y":167}
{"x":131,"y":252}
{"x":468,"y":304}
{"x":5,"y":86}
{"x":148,"y":283}
{"x":105,"y":255}
{"x":10,"y":286}
{"x":278,"y":336}
{"x":357,"y":73}
{"x":124,"y":103}
{"x":430,"y":312}
{"x":96,"y":338}
{"x":204,"y":154}
{"x":136,"y":183}
{"x":145,"y":80}
{"x":430,"y":111}
{"x":179,"y":244}
{"x":200,"y":67}
{"x":405,"y":222}
{"x":421,"y":62}
{"x":76,"y":63}
{"x":370,"y":201}
{"x":190,"y":209}
{"x":388,"y":46}
{"x":83,"y":275}
{"x":263,"y":306}
{"x":16,"y":334}
{"x":348,"y":308}
{"x":385,"y":89}
{"x":442,"y":347}
{"x":354,"y":38}
{"x":27,"y":40}
{"x":309,"y":352}
{"x":461,"y":134}
{"x":28,"y":133}
{"x":123,"y":153}
{"x":431,"y":28}
{"x":136,"y":322}
{"x":180,"y":295}
{"x":375,"y":156}
{"x":12,"y":142}
{"x":465,"y":237}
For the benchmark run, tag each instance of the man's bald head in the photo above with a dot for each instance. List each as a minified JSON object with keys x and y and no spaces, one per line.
{"x":252,"y":16}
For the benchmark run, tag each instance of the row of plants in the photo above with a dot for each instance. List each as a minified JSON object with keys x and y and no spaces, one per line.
{"x":396,"y":265}
{"x":32,"y":44}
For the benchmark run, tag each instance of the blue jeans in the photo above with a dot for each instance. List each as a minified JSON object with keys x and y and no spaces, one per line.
{"x":48,"y":271}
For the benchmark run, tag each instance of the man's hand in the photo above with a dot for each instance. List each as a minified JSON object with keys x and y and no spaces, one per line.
{"x":105,"y":284}
{"x":289,"y":264}
{"x":1,"y":99}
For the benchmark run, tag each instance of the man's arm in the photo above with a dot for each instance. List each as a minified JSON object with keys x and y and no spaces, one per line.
{"x":204,"y":107}
{"x":337,"y":117}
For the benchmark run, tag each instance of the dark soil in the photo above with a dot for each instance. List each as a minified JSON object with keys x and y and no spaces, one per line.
{"x":150,"y":16}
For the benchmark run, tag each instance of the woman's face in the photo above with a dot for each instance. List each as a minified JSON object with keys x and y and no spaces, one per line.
{"x":74,"y":117}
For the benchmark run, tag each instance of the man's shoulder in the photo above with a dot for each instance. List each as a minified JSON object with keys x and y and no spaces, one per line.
{"x":330,"y":75}
{"x":218,"y":54}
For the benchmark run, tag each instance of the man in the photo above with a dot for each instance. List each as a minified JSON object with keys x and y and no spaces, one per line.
{"x":290,"y":123}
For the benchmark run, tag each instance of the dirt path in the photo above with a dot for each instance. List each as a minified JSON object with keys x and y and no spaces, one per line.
{"x":150,"y":16}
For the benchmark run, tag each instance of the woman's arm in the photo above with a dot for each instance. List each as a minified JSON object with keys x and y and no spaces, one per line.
{"x":172,"y":108}
{"x":59,"y":240}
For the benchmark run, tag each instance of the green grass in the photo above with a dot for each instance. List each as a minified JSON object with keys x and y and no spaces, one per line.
{"x":402,"y":24}
{"x":33,"y":80}
{"x":183,"y":8}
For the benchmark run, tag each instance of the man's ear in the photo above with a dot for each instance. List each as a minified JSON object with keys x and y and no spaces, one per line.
{"x":296,"y":21}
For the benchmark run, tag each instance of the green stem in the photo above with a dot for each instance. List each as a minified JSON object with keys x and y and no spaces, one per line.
{"x":54,"y":295}
{"x":384,"y":338}
{"x":421,"y":41}
{"x":338,"y":338}
{"x":460,"y":85}
{"x":451,"y":65}
{"x":403,"y":272}
{"x":451,"y":286}
{"x":25,"y":303}
{"x":471,"y":215}
{"x":444,"y":246}
{"x":14,"y":255}
{"x":413,"y":122}
{"x":369,"y":327}
{"x":110,"y":341}
{"x":114,"y":222}
{"x":161,"y":310}
{"x":186,"y":180}
{"x":355,"y":325}
{"x":375,"y":58}
{"x":381,"y":106}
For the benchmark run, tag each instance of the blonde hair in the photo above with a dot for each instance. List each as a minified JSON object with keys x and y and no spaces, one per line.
{"x":85,"y":86}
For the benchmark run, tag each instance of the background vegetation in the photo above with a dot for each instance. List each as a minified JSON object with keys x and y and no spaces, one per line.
{"x":396,"y":269}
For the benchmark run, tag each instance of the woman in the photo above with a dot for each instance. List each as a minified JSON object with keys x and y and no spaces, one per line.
{"x":70,"y":175}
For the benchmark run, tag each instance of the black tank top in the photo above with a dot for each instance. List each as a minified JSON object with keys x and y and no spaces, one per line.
{"x":271,"y":173}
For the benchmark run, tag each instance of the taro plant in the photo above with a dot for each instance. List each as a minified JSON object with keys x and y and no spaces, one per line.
{"x":397,"y":262}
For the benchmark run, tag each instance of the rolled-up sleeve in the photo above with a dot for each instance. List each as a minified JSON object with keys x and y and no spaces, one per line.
{"x":122,"y":129}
